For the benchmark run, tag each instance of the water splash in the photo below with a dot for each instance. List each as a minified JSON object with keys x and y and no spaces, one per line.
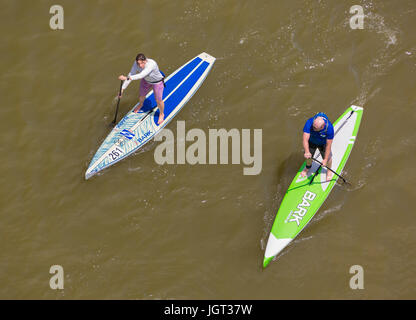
{"x":383,"y":60}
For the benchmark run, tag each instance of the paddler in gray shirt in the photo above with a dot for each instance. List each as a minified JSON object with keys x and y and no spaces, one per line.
{"x":147,"y":70}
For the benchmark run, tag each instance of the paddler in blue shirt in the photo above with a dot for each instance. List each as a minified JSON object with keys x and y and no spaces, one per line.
{"x":318,"y":132}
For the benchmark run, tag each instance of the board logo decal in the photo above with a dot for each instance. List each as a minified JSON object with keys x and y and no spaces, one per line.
{"x":144,"y":136}
{"x":128,"y":134}
{"x":302,"y":208}
{"x":122,"y":121}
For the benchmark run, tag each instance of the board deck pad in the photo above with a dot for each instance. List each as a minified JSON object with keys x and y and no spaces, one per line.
{"x":303,"y":198}
{"x":136,"y":129}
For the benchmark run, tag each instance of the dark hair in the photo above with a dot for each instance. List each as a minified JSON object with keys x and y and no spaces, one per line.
{"x":140,"y":56}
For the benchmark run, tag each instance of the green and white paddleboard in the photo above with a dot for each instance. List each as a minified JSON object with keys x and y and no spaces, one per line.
{"x":303,"y":199}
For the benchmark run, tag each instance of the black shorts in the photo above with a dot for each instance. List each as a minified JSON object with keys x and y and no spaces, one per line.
{"x":312,"y":149}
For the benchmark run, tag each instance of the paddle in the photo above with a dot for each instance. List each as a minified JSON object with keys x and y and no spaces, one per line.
{"x":345,"y":181}
{"x":316,"y":173}
{"x":118,"y":102}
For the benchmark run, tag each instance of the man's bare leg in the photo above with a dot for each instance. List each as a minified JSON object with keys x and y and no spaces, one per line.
{"x":305,"y":170}
{"x":161,"y":106}
{"x":329,"y":173}
{"x":141,"y":100}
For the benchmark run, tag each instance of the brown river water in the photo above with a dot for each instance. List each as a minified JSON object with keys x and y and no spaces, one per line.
{"x":141,"y":230}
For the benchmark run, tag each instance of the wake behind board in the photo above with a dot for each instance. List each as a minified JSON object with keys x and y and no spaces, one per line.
{"x":303,"y":199}
{"x":136,"y":129}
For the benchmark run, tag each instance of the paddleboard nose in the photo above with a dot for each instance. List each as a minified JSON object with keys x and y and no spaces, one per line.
{"x":273,"y":248}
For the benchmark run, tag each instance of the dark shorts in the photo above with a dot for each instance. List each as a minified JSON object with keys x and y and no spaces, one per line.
{"x":312,"y":149}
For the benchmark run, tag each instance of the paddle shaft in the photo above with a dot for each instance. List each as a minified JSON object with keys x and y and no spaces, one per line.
{"x":316,"y":173}
{"x":329,"y":169}
{"x":118,"y":102}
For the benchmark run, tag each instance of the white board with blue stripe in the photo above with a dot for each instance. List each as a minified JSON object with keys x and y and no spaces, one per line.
{"x":136,"y":129}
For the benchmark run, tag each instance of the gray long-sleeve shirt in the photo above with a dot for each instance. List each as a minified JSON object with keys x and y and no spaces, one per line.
{"x":150,"y":73}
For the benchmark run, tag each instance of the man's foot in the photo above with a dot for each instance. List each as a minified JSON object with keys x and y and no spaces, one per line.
{"x":304,"y":172}
{"x":329,"y":175}
{"x":161,"y":118}
{"x":137,"y":109}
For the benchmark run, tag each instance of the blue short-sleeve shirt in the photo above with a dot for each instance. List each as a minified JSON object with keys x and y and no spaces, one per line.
{"x":319,"y":137}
